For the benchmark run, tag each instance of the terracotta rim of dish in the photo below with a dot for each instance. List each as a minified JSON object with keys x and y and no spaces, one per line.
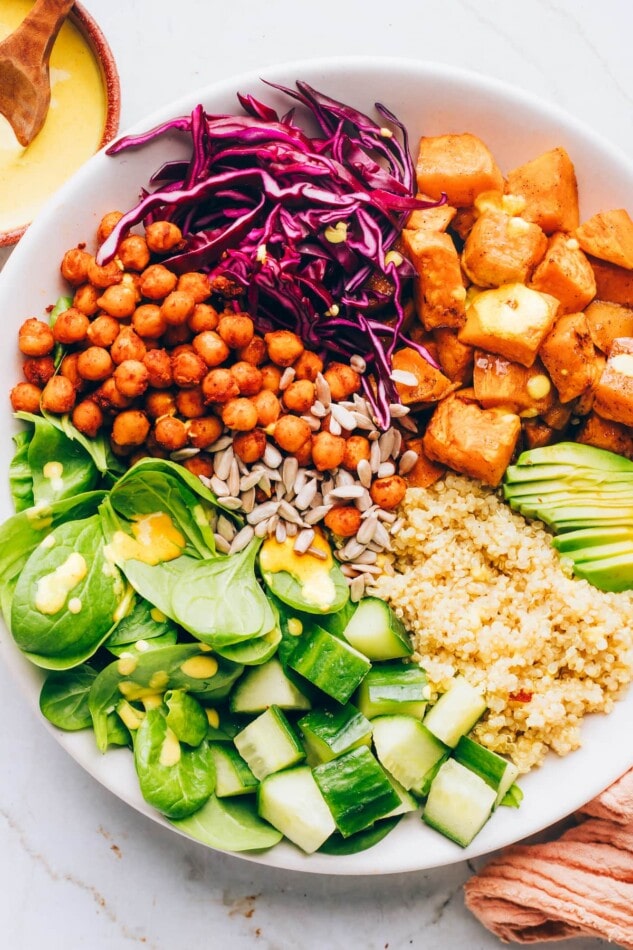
{"x":92,"y":32}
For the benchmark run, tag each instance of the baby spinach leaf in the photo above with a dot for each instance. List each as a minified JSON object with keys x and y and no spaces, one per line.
{"x":175,"y":780}
{"x":291,"y":591}
{"x":139,"y":647}
{"x":144,"y":622}
{"x":253,"y":652}
{"x":229,"y":825}
{"x":362,"y":840}
{"x":64,"y":698}
{"x":20,"y":478}
{"x":185,"y":717}
{"x":97,"y":447}
{"x":61,"y":304}
{"x":60,"y":467}
{"x":117,"y":732}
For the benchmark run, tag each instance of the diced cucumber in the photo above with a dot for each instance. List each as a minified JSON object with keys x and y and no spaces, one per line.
{"x":264,"y":686}
{"x":232,"y":774}
{"x":331,"y":732}
{"x":376,"y":631}
{"x":292,"y":803}
{"x":394,"y":689}
{"x":230,"y":825}
{"x":329,"y":663}
{"x":408,"y":802}
{"x":407,"y":750}
{"x":459,"y":803}
{"x":496,"y":771}
{"x":356,"y":789}
{"x":335,"y":623}
{"x":268,"y":744}
{"x":456,"y":712}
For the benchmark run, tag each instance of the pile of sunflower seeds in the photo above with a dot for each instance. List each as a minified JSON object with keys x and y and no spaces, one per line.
{"x":277,"y":496}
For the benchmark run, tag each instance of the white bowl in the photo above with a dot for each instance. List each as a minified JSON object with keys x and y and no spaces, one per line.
{"x":430,"y":99}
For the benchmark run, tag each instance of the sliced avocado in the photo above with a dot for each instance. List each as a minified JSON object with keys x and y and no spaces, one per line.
{"x":583,"y":516}
{"x":573,"y":541}
{"x":597,"y":552}
{"x":609,"y":573}
{"x":550,"y":505}
{"x":576,"y":454}
{"x":607,"y":483}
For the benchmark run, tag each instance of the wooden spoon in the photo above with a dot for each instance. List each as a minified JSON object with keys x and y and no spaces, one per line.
{"x":25,"y":90}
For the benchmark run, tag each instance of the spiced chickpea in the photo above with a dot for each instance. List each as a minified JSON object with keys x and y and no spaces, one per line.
{"x":342,"y":380}
{"x":308,"y":366}
{"x":328,"y":450}
{"x":236,"y":329}
{"x":268,"y":407}
{"x":299,"y":396}
{"x":219,"y":385}
{"x":107,"y":225}
{"x":58,"y":396}
{"x":388,"y":492}
{"x":188,"y":369}
{"x":239,"y":414}
{"x":148,"y":321}
{"x":127,"y":346}
{"x":158,"y":363}
{"x":177,"y":307}
{"x":85,"y":299}
{"x":162,"y":236}
{"x":74,"y":266}
{"x":190,"y":402}
{"x":35,"y":338}
{"x":131,"y":378}
{"x":38,"y":369}
{"x":94,"y":363}
{"x":133,"y":252}
{"x":103,"y":330}
{"x":357,"y":448}
{"x":271,"y":377}
{"x":108,"y":397}
{"x":344,"y":521}
{"x":247,"y":377}
{"x":130,"y":427}
{"x":195,"y":284}
{"x":250,"y":446}
{"x":211,"y":347}
{"x":88,"y":417}
{"x":204,"y":431}
{"x":303,"y":454}
{"x":284,"y":347}
{"x":199,"y":465}
{"x":291,"y":432}
{"x":119,"y":300}
{"x":177,"y":334}
{"x":159,"y":402}
{"x":25,"y":397}
{"x":203,"y":317}
{"x":170,"y":432}
{"x":181,"y":348}
{"x":254,"y":352}
{"x":70,"y":369}
{"x":156,"y":282}
{"x":105,"y":275}
{"x":71,"y":326}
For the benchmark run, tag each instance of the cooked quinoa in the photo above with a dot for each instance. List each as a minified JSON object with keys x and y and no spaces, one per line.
{"x":485,"y":595}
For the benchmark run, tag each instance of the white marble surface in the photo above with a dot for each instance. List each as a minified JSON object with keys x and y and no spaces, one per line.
{"x":80,"y":869}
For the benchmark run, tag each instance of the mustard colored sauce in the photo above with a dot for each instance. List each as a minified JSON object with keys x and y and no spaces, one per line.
{"x":156,"y":539}
{"x":71,"y":133}
{"x":313,"y":573}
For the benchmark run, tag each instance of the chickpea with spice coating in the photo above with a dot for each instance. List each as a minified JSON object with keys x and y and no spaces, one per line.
{"x":103,"y":330}
{"x":70,"y":369}
{"x":119,"y":300}
{"x":58,"y":396}
{"x":88,"y":417}
{"x":107,"y":225}
{"x":188,"y":369}
{"x":284,"y":347}
{"x":148,"y":321}
{"x":38,"y":369}
{"x":25,"y":397}
{"x":85,"y":299}
{"x":236,"y":329}
{"x":204,"y":431}
{"x":211,"y":347}
{"x":159,"y":403}
{"x":247,"y":377}
{"x":105,"y":275}
{"x":342,"y":380}
{"x":130,"y":427}
{"x":250,"y":446}
{"x":176,"y":334}
{"x":196,"y":284}
{"x":254,"y":352}
{"x":170,"y":432}
{"x":131,"y":378}
{"x":308,"y":366}
{"x":219,"y":386}
{"x":291,"y":432}
{"x":190,"y":403}
{"x":71,"y":326}
{"x":133,"y":252}
{"x":239,"y":414}
{"x":328,"y":450}
{"x":388,"y":492}
{"x":199,"y":465}
{"x":357,"y":449}
{"x":299,"y":396}
{"x":35,"y":338}
{"x":108,"y":397}
{"x":203,"y":317}
{"x":162,"y":236}
{"x":271,"y":377}
{"x":344,"y":521}
{"x":158,"y":364}
{"x":177,"y":307}
{"x":156,"y":282}
{"x":268,"y":407}
{"x":94,"y":363}
{"x":303,"y":454}
{"x":127,"y":346}
{"x":74,"y":266}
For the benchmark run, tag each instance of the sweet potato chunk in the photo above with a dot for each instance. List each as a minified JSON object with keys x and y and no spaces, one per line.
{"x":458,"y":164}
{"x":548,"y":184}
{"x":511,"y":320}
{"x":606,"y":434}
{"x":477,"y":442}
{"x":609,"y":236}
{"x":536,"y":433}
{"x":431,"y":384}
{"x":455,"y":358}
{"x":439,"y":287}
{"x":499,"y":383}
{"x":613,"y":283}
{"x":614,"y":391}
{"x":569,"y":356}
{"x":437,"y":218}
{"x":566,"y":274}
{"x":424,"y":472}
{"x":502,"y":249}
{"x":607,"y":321}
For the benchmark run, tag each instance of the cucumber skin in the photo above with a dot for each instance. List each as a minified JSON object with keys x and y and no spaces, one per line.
{"x":389,"y":643}
{"x":356,"y":790}
{"x":299,"y":810}
{"x":251,"y":749}
{"x":329,"y":663}
{"x":331,"y":732}
{"x":390,"y":690}
{"x":450,"y":806}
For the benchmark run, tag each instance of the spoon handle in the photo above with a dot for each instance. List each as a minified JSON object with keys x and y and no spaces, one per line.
{"x":38,"y":31}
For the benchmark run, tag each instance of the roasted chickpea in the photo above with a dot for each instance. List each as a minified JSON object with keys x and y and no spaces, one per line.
{"x":133,"y":252}
{"x":58,"y":396}
{"x":299,"y":396}
{"x":148,"y":321}
{"x":25,"y":397}
{"x":177,"y":307}
{"x":250,"y":446}
{"x":177,"y":334}
{"x":104,"y":275}
{"x":239,"y":414}
{"x":103,"y":330}
{"x":271,"y":377}
{"x":247,"y":377}
{"x":203,"y":317}
{"x":344,"y":521}
{"x":158,"y":363}
{"x":204,"y":432}
{"x":107,"y":225}
{"x":254,"y":352}
{"x":119,"y":300}
{"x":211,"y":347}
{"x":108,"y":397}
{"x":130,"y":427}
{"x":303,"y":454}
{"x":131,"y":378}
{"x":87,"y":416}
{"x":159,"y":402}
{"x":85,"y":299}
{"x":188,"y":369}
{"x":190,"y":402}
{"x":35,"y":338}
{"x":71,"y":326}
{"x":219,"y":385}
{"x":162,"y":236}
{"x":38,"y":369}
{"x":342,"y":380}
{"x":291,"y":432}
{"x":156,"y":282}
{"x":170,"y":432}
{"x":308,"y":366}
{"x":94,"y":363}
{"x":284,"y":347}
{"x":74,"y":266}
{"x":70,"y":369}
{"x":268,"y":407}
{"x":200,"y":465}
{"x":328,"y":450}
{"x":357,"y":448}
{"x":127,"y":346}
{"x":236,"y":329}
{"x":195,"y":284}
{"x":388,"y":492}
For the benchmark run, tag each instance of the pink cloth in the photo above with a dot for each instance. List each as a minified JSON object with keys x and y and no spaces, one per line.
{"x":578,"y":885}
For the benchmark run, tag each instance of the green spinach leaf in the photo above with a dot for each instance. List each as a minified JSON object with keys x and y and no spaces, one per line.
{"x":64,"y":698}
{"x":20,"y":478}
{"x":185,"y":717}
{"x":229,"y":825}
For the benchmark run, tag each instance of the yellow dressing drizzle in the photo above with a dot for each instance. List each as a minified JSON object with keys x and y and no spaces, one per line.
{"x":313,"y":573}
{"x":53,"y":589}
{"x":199,"y":667}
{"x":156,"y":539}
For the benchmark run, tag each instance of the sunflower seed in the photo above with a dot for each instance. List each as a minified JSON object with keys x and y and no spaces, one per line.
{"x":291,"y":529}
{"x":403,"y":377}
{"x":221,"y":544}
{"x":219,"y":486}
{"x":344,"y":477}
{"x":374,"y":456}
{"x":272,"y":456}
{"x":248,"y":500}
{"x":347,"y":492}
{"x":318,"y":409}
{"x":381,"y":536}
{"x":317,"y":514}
{"x":351,"y":550}
{"x":262,"y":512}
{"x":322,"y":389}
{"x":261,"y":529}
{"x":385,"y":469}
{"x":327,"y":484}
{"x":222,"y":463}
{"x":289,"y":513}
{"x":231,"y":502}
{"x":388,"y":516}
{"x":374,"y":435}
{"x":280,"y":532}
{"x":386,"y":444}
{"x":367,"y":530}
{"x":363,"y":421}
{"x":398,"y":411}
{"x":313,"y":422}
{"x":222,"y":443}
{"x":367,"y":568}
{"x":407,"y":462}
{"x":289,"y":472}
{"x":317,"y":552}
{"x":408,"y":424}
{"x":367,"y":557}
{"x":344,"y":417}
{"x":264,"y":484}
{"x":234,"y":479}
{"x":397,"y":444}
{"x":364,"y":503}
{"x":272,"y":524}
{"x":280,"y":490}
{"x":181,"y":454}
{"x":348,"y":571}
{"x":335,"y":426}
{"x":247,"y":482}
{"x":364,"y":473}
{"x":286,"y":378}
{"x":305,"y":497}
{"x":304,"y":540}
{"x":225,"y":528}
{"x":357,"y":589}
{"x":300,"y":480}
{"x":358,"y":363}
{"x":241,"y":539}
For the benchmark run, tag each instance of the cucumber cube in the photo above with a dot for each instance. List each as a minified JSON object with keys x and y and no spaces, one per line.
{"x":496,"y":771}
{"x":268,"y":744}
{"x":375,"y":630}
{"x":292,"y":803}
{"x":456,"y":712}
{"x":394,"y":689}
{"x":408,"y":751}
{"x":329,"y":663}
{"x":356,"y":789}
{"x":264,"y":686}
{"x":331,"y":732}
{"x":232,"y":774}
{"x":459,"y":803}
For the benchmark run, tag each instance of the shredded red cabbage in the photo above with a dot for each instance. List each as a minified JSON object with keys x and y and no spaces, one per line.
{"x":299,"y":223}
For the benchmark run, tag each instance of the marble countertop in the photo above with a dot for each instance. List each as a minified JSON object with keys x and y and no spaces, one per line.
{"x":81,"y":869}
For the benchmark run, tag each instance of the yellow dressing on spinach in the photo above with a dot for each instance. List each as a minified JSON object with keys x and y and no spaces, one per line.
{"x":53,"y":589}
{"x":155,"y":539}
{"x":309,"y":570}
{"x":170,"y":749}
{"x":200,"y":667}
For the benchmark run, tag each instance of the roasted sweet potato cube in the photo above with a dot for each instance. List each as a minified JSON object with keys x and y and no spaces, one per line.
{"x":430,"y":383}
{"x":439,"y":287}
{"x":558,"y":417}
{"x":609,"y":236}
{"x":511,"y":320}
{"x":500,"y":383}
{"x":548,"y":184}
{"x":614,"y":391}
{"x":502,"y":249}
{"x":474,"y":441}
{"x":613,"y":283}
{"x":455,"y":358}
{"x":566,"y":274}
{"x":436,"y":218}
{"x":606,"y":434}
{"x":458,"y":164}
{"x":569,"y":356}
{"x":536,"y":433}
{"x":462,"y":223}
{"x":607,"y":321}
{"x":424,"y":472}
